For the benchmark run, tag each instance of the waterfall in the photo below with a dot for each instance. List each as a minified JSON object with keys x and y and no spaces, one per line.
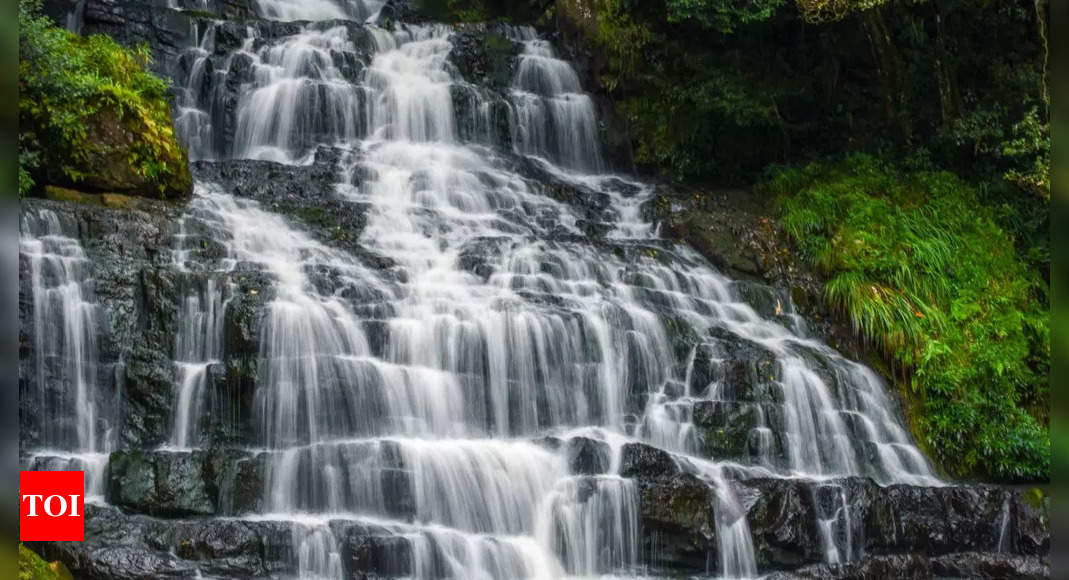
{"x":554,"y":117}
{"x":436,"y":399}
{"x":319,"y":9}
{"x":73,"y":428}
{"x":425,"y":428}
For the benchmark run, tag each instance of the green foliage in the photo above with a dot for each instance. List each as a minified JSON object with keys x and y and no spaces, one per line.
{"x":1029,"y":148}
{"x":32,"y":567}
{"x":68,"y":85}
{"x":455,"y":10}
{"x":691,"y":108}
{"x":723,"y":15}
{"x":823,"y":11}
{"x":715,"y":90}
{"x":925,"y":273}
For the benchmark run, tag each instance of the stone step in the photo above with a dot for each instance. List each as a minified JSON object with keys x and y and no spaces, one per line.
{"x":917,"y":567}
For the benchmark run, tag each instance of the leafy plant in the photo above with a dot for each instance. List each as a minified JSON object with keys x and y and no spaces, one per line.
{"x":68,"y":84}
{"x":925,"y":273}
{"x":723,"y":15}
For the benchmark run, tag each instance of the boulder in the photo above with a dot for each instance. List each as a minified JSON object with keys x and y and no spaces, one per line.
{"x":586,"y":456}
{"x":678,"y":523}
{"x":782,"y":523}
{"x":988,"y":565}
{"x":645,"y":461}
{"x":121,"y":546}
{"x":905,"y":567}
{"x":184,"y":483}
{"x":160,"y":483}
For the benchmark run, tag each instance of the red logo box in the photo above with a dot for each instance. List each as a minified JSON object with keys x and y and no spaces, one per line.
{"x":51,"y":506}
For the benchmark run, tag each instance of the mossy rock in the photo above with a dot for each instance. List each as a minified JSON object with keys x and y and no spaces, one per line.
{"x":33,"y":567}
{"x":122,"y":149}
{"x":108,"y":200}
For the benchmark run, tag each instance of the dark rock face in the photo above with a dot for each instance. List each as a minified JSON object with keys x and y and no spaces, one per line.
{"x":678,"y":523}
{"x":170,"y":484}
{"x":122,"y":247}
{"x":782,"y":524}
{"x":587,"y":456}
{"x":1031,"y":516}
{"x":977,"y":565}
{"x":305,"y":194}
{"x":640,"y":460}
{"x":122,"y":546}
{"x":898,"y":519}
{"x":484,"y":55}
{"x":896,"y":531}
{"x":374,"y":556}
{"x":186,"y":483}
{"x":910,"y":567}
{"x":919,"y":567}
{"x":743,"y":368}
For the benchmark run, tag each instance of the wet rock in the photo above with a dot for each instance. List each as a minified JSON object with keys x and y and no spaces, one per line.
{"x":236,"y":478}
{"x":477,"y":256}
{"x":148,"y":389}
{"x":906,"y":567}
{"x":1031,"y":508}
{"x":731,"y":430}
{"x":742,"y":369}
{"x":586,"y":456}
{"x":482,"y":116}
{"x":364,"y":552}
{"x":641,"y":460}
{"x":898,"y":519}
{"x":124,"y":546}
{"x":768,"y":301}
{"x":160,"y":483}
{"x":678,"y":523}
{"x":782,"y":523}
{"x":484,"y":56}
{"x":135,"y":309}
{"x":304,"y":194}
{"x":181,"y":483}
{"x":395,"y":11}
{"x":595,"y":206}
{"x":981,"y":565}
{"x":934,"y":520}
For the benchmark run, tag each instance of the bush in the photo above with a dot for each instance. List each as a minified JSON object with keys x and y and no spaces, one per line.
{"x":71,"y":90}
{"x":925,"y":273}
{"x":32,"y":567}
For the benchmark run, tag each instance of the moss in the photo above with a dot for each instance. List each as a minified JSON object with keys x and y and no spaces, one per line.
{"x":92,"y":116}
{"x":33,"y":567}
{"x":500,"y":53}
{"x":1034,"y":496}
{"x":108,"y":200}
{"x":199,"y":14}
{"x":454,"y":10}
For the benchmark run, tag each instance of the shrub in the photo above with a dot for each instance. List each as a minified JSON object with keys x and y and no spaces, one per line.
{"x":69,"y":86}
{"x":925,"y":273}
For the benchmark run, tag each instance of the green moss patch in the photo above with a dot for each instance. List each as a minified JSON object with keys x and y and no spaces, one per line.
{"x":92,"y":116}
{"x":33,"y":567}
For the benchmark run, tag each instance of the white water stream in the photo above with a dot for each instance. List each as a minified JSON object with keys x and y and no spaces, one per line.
{"x":554,"y":334}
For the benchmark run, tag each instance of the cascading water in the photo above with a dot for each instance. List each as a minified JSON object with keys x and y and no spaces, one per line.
{"x":437,"y":400}
{"x":73,"y":429}
{"x":319,"y":9}
{"x":554,"y":118}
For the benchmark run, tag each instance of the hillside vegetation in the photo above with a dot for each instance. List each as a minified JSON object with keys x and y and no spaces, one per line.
{"x":91,"y":116}
{"x":908,"y":145}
